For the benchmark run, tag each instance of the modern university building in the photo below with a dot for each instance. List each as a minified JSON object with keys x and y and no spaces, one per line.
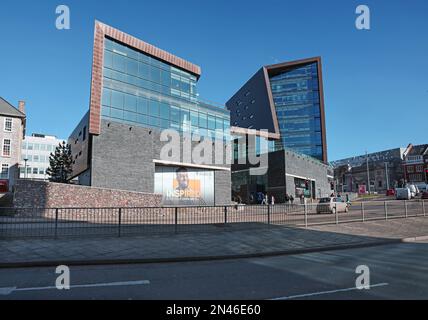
{"x":138,"y":90}
{"x":287,"y":101}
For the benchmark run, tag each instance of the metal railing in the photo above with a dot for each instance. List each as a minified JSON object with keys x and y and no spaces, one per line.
{"x":120,"y":222}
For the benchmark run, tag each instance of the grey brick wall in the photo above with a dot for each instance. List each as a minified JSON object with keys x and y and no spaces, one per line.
{"x":122,"y":158}
{"x":302,"y":166}
{"x":223,"y":185}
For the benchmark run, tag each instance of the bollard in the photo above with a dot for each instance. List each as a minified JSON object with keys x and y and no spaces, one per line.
{"x":56,"y":223}
{"x":175,"y":220}
{"x":423,"y":207}
{"x":120,"y":222}
{"x":268,"y":215}
{"x":306,"y":216}
{"x":405,"y":208}
{"x":225,"y":215}
{"x":337,"y":214}
{"x":386,"y":210}
{"x":362,"y":210}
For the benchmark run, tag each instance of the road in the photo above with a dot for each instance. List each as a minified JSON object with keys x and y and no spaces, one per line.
{"x":396,"y":272}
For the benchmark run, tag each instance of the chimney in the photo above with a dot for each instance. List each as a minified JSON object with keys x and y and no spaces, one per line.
{"x":21,"y":106}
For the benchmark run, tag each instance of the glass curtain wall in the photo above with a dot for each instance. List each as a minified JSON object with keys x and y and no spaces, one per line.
{"x":297,"y":102}
{"x":141,"y":90}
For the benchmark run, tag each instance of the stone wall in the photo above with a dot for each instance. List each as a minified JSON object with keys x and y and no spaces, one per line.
{"x":41,"y":194}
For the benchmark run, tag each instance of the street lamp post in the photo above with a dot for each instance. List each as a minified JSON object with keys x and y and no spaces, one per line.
{"x":368,"y":173}
{"x":25,"y":168}
{"x":387,"y":175}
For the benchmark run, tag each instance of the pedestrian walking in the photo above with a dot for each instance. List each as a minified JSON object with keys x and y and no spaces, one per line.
{"x":287,"y":198}
{"x":272,"y":200}
{"x":291,"y":199}
{"x":266,"y":199}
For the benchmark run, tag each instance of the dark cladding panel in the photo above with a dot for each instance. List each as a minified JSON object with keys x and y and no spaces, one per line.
{"x":250,"y":107}
{"x":79,"y":142}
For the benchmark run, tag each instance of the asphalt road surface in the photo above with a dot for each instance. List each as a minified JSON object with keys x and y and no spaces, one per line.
{"x":396,"y":272}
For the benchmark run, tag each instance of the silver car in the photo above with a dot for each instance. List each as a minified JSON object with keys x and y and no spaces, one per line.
{"x":332,"y":205}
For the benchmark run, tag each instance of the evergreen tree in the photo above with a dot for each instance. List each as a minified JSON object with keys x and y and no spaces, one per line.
{"x":60,"y":164}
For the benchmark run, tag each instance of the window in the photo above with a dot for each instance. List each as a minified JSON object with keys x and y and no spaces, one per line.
{"x":410,"y":169}
{"x":35,"y":170}
{"x":164,"y":111}
{"x":8,"y":124}
{"x":84,"y":133}
{"x":419,"y":168}
{"x":6,"y":147}
{"x":5,"y":171}
{"x":211,"y":122}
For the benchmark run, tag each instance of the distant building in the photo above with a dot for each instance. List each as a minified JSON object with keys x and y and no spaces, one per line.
{"x":384,"y":169}
{"x":36,"y":149}
{"x":12,"y":131}
{"x":416,"y":164}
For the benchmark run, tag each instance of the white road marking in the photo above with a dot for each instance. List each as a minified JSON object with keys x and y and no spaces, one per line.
{"x":328,"y":292}
{"x":7,"y":291}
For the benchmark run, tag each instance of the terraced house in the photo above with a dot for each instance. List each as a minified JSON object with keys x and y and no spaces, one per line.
{"x":12,"y":131}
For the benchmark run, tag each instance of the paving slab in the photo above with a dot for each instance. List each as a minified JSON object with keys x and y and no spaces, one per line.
{"x":230,"y":244}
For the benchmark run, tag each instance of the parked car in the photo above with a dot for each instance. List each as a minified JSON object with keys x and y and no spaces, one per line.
{"x":330,"y":205}
{"x":403,"y":194}
{"x":413,"y":190}
{"x":422,"y":186}
{"x":390,"y":192}
{"x":425,"y":195}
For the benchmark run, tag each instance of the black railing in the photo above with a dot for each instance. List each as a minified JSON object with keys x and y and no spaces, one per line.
{"x":120,"y":222}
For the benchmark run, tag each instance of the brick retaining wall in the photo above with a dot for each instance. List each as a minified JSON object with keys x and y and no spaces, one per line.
{"x":41,"y":194}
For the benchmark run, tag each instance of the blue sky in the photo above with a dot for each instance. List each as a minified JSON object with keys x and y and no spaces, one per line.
{"x":376,"y":84}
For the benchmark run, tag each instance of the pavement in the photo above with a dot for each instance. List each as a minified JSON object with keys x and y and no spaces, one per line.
{"x":396,"y":271}
{"x":226,"y":243}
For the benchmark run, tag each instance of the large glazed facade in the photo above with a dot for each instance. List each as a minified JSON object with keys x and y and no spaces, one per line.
{"x":137,"y":92}
{"x":287,"y":100}
{"x":276,"y":173}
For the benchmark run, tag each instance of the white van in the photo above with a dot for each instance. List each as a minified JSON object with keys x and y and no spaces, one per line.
{"x":413,"y":190}
{"x":403,"y":194}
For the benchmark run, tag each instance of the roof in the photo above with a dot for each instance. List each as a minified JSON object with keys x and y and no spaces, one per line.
{"x":7,"y":109}
{"x":147,"y":48}
{"x":418,"y":150}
